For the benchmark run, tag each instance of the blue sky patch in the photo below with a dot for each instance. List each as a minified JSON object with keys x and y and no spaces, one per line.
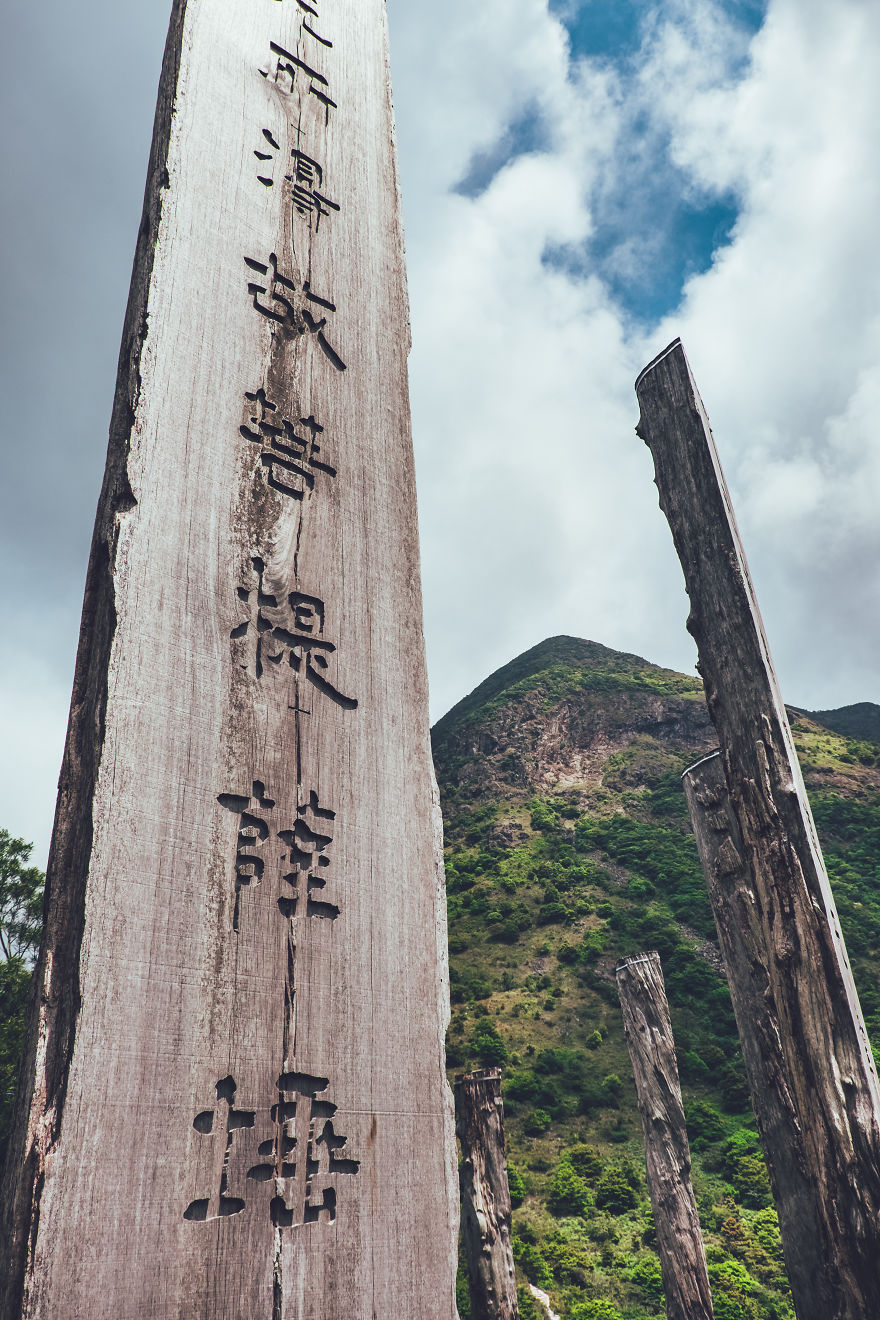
{"x":646,"y":264}
{"x":612,"y":29}
{"x":522,"y":137}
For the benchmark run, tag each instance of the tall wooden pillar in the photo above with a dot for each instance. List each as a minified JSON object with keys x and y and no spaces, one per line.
{"x":812,"y":1074}
{"x":234,"y":1102}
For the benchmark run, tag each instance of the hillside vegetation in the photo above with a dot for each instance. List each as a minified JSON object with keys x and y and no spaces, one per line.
{"x":568,"y":847}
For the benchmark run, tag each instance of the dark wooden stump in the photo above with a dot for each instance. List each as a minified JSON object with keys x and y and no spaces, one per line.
{"x":667,"y":1153}
{"x":813,"y":1081}
{"x":485,"y":1196}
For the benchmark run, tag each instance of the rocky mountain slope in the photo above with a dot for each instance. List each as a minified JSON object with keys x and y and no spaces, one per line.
{"x":568,"y":847}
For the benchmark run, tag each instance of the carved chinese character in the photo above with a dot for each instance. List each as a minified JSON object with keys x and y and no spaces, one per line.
{"x":284,"y":69}
{"x":277,"y":298}
{"x":253,"y":831}
{"x":291,"y":459}
{"x":299,"y":1162}
{"x":221,"y":1123}
{"x":277,"y":632}
{"x":301,"y":873}
{"x":309,"y":846}
{"x":306,"y":177}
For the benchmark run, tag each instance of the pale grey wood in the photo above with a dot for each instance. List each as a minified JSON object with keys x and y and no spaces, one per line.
{"x":234,"y":1101}
{"x":648,"y":1031}
{"x":821,"y":1066}
{"x":485,"y":1196}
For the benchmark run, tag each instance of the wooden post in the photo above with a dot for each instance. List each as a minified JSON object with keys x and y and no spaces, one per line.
{"x":485,"y":1196}
{"x":738,"y":920}
{"x":233,"y":1103}
{"x":648,"y":1032}
{"x":812,"y":1074}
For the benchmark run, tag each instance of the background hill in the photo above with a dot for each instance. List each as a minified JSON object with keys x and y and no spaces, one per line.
{"x":569,"y":847}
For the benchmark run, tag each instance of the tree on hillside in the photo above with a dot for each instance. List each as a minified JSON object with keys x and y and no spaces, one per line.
{"x":21,"y":922}
{"x":21,"y":900}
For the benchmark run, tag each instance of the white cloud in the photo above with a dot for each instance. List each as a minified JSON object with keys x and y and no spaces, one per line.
{"x":531,"y":481}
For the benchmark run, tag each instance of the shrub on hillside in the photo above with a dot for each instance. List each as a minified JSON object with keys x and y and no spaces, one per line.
{"x":488,"y":1045}
{"x":516,"y":1184}
{"x":595,"y":1310}
{"x":555,"y":913}
{"x":537,"y":1122}
{"x":530,"y":1259}
{"x":614,"y":1193}
{"x":704,"y":1123}
{"x":568,"y":1193}
{"x":528,"y":1307}
{"x":647,"y":1275}
{"x":586,"y":1161}
{"x":467,"y":985}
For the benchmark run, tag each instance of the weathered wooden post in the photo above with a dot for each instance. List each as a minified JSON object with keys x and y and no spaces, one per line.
{"x":233,"y":1102}
{"x":813,"y":1081}
{"x":485,"y":1196}
{"x":648,"y":1031}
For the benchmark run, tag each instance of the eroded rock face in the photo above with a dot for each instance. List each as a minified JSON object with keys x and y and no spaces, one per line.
{"x":580,"y":713}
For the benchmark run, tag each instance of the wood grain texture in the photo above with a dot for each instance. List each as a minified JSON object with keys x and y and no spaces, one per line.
{"x":234,"y":1103}
{"x":485,"y":1196}
{"x":648,"y":1031}
{"x":738,"y":921}
{"x":824,"y":1075}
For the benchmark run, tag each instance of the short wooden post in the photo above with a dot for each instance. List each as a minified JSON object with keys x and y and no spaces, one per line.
{"x":485,"y":1196}
{"x":813,"y":1081}
{"x":667,"y":1153}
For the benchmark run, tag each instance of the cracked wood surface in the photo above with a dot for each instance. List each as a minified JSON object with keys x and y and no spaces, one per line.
{"x":648,"y":1031}
{"x":485,"y":1196}
{"x":233,"y":1101}
{"x":811,"y":1072}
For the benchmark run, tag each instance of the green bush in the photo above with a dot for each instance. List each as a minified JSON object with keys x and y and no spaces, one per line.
{"x":537,"y":1122}
{"x":751,"y":1181}
{"x":542,"y":817}
{"x":613,"y":1087}
{"x":15,"y":984}
{"x":568,"y":1193}
{"x":462,"y":1292}
{"x":647,"y":1275}
{"x":585,"y":1160}
{"x":488,"y":1045}
{"x":704,"y":1123}
{"x":595,"y":1310}
{"x":516,"y":1185}
{"x":531,"y":1261}
{"x":553,"y":913}
{"x":466,"y":985}
{"x":614,"y":1193}
{"x":528,"y":1307}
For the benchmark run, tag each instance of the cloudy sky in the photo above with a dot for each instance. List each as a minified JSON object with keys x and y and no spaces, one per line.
{"x":583,"y":181}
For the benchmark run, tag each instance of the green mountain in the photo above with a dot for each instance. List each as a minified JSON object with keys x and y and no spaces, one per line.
{"x":860,"y":722}
{"x":568,"y":847}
